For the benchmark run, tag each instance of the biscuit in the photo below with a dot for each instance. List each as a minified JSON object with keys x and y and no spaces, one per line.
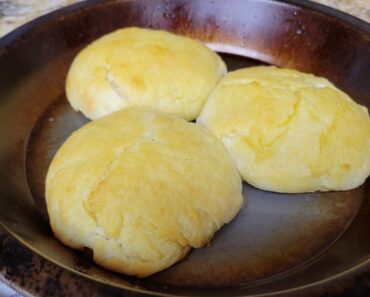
{"x":143,"y":67}
{"x":141,"y":188}
{"x":290,"y":132}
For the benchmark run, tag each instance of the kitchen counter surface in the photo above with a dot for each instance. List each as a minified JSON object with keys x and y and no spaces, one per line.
{"x":46,"y":277}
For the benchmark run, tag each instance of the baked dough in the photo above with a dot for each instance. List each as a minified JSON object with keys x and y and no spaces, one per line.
{"x":141,"y":188}
{"x":290,"y":132}
{"x":143,"y":67}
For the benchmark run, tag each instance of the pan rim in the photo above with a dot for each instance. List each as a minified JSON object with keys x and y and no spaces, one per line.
{"x":354,"y":269}
{"x":348,"y":19}
{"x":356,"y":22}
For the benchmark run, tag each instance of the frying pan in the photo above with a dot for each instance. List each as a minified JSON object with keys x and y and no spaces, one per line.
{"x":278,"y":244}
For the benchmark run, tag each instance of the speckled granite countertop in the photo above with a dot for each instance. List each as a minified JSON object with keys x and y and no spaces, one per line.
{"x":14,"y":13}
{"x":47,"y":277}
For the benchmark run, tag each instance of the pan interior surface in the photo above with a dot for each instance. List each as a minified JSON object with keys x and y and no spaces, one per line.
{"x":277,"y":242}
{"x":273,"y":233}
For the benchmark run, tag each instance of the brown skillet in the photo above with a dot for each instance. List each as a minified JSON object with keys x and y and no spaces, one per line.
{"x":278,"y":244}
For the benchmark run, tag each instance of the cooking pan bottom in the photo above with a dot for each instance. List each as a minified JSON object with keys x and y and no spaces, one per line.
{"x":272,"y":235}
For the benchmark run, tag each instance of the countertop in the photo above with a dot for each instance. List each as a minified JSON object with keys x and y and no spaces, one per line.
{"x":47,"y":279}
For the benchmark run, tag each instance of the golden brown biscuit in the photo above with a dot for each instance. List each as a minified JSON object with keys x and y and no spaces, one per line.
{"x":143,"y":67}
{"x":290,"y":132}
{"x":141,"y":188}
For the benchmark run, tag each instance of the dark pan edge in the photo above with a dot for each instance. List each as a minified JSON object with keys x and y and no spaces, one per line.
{"x":346,"y":275}
{"x":335,"y":13}
{"x":348,"y":19}
{"x":10,"y":37}
{"x":330,"y":11}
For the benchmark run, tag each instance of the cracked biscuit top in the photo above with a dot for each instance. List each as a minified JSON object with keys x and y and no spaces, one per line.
{"x":290,"y":132}
{"x":141,"y":188}
{"x":143,"y":67}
